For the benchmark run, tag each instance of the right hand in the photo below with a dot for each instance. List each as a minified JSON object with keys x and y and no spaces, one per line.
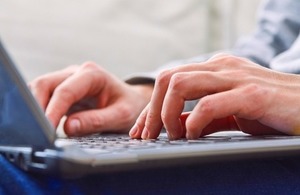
{"x":92,"y":99}
{"x":234,"y":94}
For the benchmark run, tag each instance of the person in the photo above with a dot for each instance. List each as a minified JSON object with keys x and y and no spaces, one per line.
{"x":229,"y":92}
{"x":234,"y":91}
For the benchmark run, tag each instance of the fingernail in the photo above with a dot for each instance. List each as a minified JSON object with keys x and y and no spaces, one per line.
{"x":74,"y":126}
{"x":133,"y":130}
{"x":145,"y":133}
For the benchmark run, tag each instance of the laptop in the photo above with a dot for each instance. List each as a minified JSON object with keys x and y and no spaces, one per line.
{"x":30,"y":142}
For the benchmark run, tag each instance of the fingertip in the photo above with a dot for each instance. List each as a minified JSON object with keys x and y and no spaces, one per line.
{"x":195,"y":125}
{"x":137,"y":130}
{"x":175,"y":133}
{"x":145,"y":133}
{"x":134,"y":132}
{"x":190,"y":136}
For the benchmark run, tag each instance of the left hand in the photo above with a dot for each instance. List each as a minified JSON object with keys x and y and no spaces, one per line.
{"x":92,"y":99}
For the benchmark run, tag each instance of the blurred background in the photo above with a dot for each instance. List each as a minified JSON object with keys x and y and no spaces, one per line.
{"x":124,"y":36}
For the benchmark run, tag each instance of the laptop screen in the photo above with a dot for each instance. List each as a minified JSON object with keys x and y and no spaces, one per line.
{"x":22,"y":123}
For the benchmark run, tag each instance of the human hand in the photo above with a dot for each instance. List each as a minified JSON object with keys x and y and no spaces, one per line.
{"x":234,"y":93}
{"x":93,"y":99}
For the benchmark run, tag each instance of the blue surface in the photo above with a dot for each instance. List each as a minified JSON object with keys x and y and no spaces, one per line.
{"x":243,"y":177}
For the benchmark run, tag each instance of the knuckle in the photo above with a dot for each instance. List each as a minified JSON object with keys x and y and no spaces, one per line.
{"x":255,"y":90}
{"x":229,"y":60}
{"x":90,"y":66}
{"x":206,"y":105}
{"x":164,"y":77}
{"x":65,"y":93}
{"x":220,"y":55}
{"x":93,"y":71}
{"x":177,"y":81}
{"x":39,"y":83}
{"x":165,"y":117}
{"x":255,"y":95}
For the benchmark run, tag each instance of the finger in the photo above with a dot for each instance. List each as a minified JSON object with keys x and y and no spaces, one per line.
{"x":82,"y":83}
{"x":188,"y":86}
{"x":172,"y":107}
{"x":153,"y":121}
{"x":183,"y":118}
{"x":43,"y":86}
{"x":137,"y":129}
{"x":209,"y":108}
{"x":84,"y":104}
{"x":243,"y":102}
{"x":223,"y":124}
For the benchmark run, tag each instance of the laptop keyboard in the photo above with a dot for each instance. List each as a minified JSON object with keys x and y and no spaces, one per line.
{"x":106,"y":143}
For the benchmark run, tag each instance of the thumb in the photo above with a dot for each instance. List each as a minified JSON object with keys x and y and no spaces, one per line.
{"x":95,"y":121}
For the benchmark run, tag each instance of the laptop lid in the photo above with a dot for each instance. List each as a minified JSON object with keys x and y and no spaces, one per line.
{"x":22,"y":122}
